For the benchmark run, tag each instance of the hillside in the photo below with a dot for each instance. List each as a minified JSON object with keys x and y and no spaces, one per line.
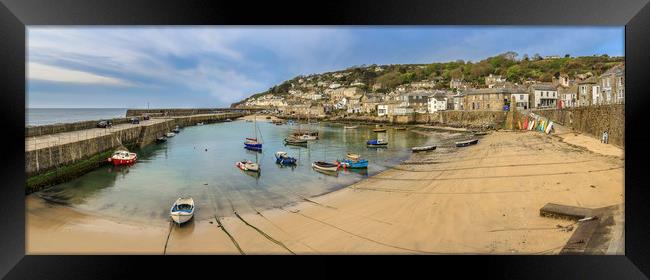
{"x":387,"y":78}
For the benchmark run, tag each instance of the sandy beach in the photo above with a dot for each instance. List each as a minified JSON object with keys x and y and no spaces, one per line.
{"x":482,"y":199}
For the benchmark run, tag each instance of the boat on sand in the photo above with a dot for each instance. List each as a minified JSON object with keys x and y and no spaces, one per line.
{"x":182,"y":210}
{"x":423,"y":148}
{"x":466,"y":143}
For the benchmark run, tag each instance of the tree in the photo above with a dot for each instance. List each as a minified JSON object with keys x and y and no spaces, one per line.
{"x":537,"y":57}
{"x":567,"y":55}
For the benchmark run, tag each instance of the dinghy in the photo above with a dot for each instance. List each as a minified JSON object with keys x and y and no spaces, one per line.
{"x":356,"y":164}
{"x":248,"y":165}
{"x":170,"y":134}
{"x":201,"y":123}
{"x":284,"y":159}
{"x":176,"y":129}
{"x":379,"y":130}
{"x":123,"y":157}
{"x":423,"y":148}
{"x":478,"y":133}
{"x":466,"y":143}
{"x":351,"y":127}
{"x":295,"y":141}
{"x":307,"y":137}
{"x":377,"y":143}
{"x":161,"y":139}
{"x":325,"y":166}
{"x":182,"y":210}
{"x":400,"y":128}
{"x":353,"y":156}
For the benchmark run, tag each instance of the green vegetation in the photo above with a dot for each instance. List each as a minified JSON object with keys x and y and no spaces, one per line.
{"x":509,"y":65}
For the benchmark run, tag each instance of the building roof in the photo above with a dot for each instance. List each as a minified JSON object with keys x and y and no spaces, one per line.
{"x":618,"y":69}
{"x":506,"y":90}
{"x":543,"y":86}
{"x":590,"y":80}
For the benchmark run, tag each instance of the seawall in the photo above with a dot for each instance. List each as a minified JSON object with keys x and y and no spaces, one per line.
{"x":592,"y":120}
{"x":470,"y":119}
{"x":55,"y":158}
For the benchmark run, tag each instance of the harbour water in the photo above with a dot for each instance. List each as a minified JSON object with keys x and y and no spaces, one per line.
{"x":43,"y":116}
{"x":200,"y":162}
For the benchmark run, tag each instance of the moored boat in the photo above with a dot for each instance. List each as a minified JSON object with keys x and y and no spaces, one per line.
{"x":325,"y":166}
{"x":351,"y":127}
{"x":353,"y":156}
{"x":379,"y":130}
{"x":228,"y":120}
{"x":284,"y":159}
{"x":423,"y":148}
{"x":182,"y":210}
{"x":400,"y":128}
{"x":170,"y":134}
{"x":122,"y":157}
{"x":348,"y":163}
{"x":294,"y":141}
{"x":377,"y":143}
{"x":466,"y":143}
{"x":201,"y":123}
{"x":161,"y":139}
{"x":248,"y":165}
{"x":307,"y":137}
{"x":478,"y":133}
{"x":176,"y":129}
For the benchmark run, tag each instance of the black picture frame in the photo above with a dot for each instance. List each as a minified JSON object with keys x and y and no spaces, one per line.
{"x":15,"y":15}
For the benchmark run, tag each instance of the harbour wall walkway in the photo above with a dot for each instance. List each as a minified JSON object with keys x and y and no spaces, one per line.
{"x":57,"y":157}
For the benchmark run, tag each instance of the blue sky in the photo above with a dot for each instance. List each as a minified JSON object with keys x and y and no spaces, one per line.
{"x":126,"y":67}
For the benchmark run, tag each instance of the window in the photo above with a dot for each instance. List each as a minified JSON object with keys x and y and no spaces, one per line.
{"x":521,"y":96}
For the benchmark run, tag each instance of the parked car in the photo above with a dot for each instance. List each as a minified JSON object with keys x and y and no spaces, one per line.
{"x":135,"y":120}
{"x":104,"y":123}
{"x":146,"y":117}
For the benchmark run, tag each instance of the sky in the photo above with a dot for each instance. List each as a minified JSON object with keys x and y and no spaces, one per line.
{"x":214,"y":66}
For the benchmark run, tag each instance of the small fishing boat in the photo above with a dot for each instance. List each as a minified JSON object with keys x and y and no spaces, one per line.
{"x":400,"y":128}
{"x":123,"y":157}
{"x":161,"y":139}
{"x":307,"y":137}
{"x":377,"y":143}
{"x":170,"y":134}
{"x":294,"y":141}
{"x":248,"y":165}
{"x":379,"y":130}
{"x":351,"y":127}
{"x":423,"y":148}
{"x":466,"y":143}
{"x":348,"y":163}
{"x":478,"y":133}
{"x":353,"y":156}
{"x":228,"y":120}
{"x":201,"y":123}
{"x":182,"y":210}
{"x":325,"y":166}
{"x":176,"y":129}
{"x":284,"y":159}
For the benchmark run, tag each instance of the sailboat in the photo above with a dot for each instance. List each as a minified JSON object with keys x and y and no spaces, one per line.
{"x":253,"y":143}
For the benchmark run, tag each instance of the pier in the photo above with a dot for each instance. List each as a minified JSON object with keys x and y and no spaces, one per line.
{"x":76,"y":149}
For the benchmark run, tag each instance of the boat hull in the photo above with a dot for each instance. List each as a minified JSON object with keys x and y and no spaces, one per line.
{"x":349,"y":164}
{"x":325,"y":167}
{"x":181,"y":217}
{"x":423,"y":149}
{"x":467,"y":143}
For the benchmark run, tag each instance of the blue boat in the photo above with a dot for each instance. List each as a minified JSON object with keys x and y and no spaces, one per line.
{"x":355,"y":164}
{"x":284,"y":159}
{"x":253,"y":148}
{"x":377,"y":143}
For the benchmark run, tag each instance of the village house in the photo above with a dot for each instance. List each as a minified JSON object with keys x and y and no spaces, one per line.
{"x":458,"y":102}
{"x":388,"y":108}
{"x":567,"y":96}
{"x":425,"y":84}
{"x":402,"y":111}
{"x":369,"y":104}
{"x":492,"y":80}
{"x":562,"y":80}
{"x":587,"y":89}
{"x":457,"y":84}
{"x":612,"y":84}
{"x":437,"y":102}
{"x":488,"y":99}
{"x":418,"y":100}
{"x":521,"y":100}
{"x":544,"y":95}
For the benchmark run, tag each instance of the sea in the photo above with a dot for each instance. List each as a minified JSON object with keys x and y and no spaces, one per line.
{"x":44,"y":116}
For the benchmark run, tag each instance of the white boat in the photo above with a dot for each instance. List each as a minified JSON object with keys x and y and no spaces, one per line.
{"x":170,"y":134}
{"x":307,"y":137}
{"x":248,"y":165}
{"x":182,"y":210}
{"x":353,"y":156}
{"x":201,"y":123}
{"x":351,"y":127}
{"x":325,"y":166}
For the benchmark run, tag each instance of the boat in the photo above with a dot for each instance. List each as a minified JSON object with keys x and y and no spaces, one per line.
{"x":251,"y":142}
{"x":284,"y":159}
{"x":379,"y":130}
{"x":353,"y":156}
{"x":182,"y":210}
{"x":307,"y":137}
{"x":248,"y":165}
{"x":348,"y":163}
{"x":123,"y":157}
{"x":351,"y":127}
{"x":423,"y":148}
{"x":400,"y":128}
{"x":325,"y":166}
{"x":170,"y":134}
{"x":295,"y":141}
{"x":268,"y":117}
{"x":176,"y":129}
{"x":228,"y":120}
{"x":249,"y":121}
{"x":201,"y":123}
{"x":466,"y":143}
{"x":478,"y":133}
{"x":161,"y":139}
{"x":377,"y":143}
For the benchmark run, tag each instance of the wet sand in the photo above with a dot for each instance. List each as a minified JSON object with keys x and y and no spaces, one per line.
{"x":482,"y":199}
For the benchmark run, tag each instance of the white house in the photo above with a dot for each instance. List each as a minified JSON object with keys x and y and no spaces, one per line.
{"x":402,"y":111}
{"x":437,"y":103}
{"x":382,"y":110}
{"x":521,"y":100}
{"x":544,"y":95}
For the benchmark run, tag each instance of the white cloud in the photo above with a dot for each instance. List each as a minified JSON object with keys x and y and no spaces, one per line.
{"x":38,"y":71}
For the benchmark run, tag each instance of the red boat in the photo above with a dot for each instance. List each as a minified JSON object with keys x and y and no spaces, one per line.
{"x":123,"y":158}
